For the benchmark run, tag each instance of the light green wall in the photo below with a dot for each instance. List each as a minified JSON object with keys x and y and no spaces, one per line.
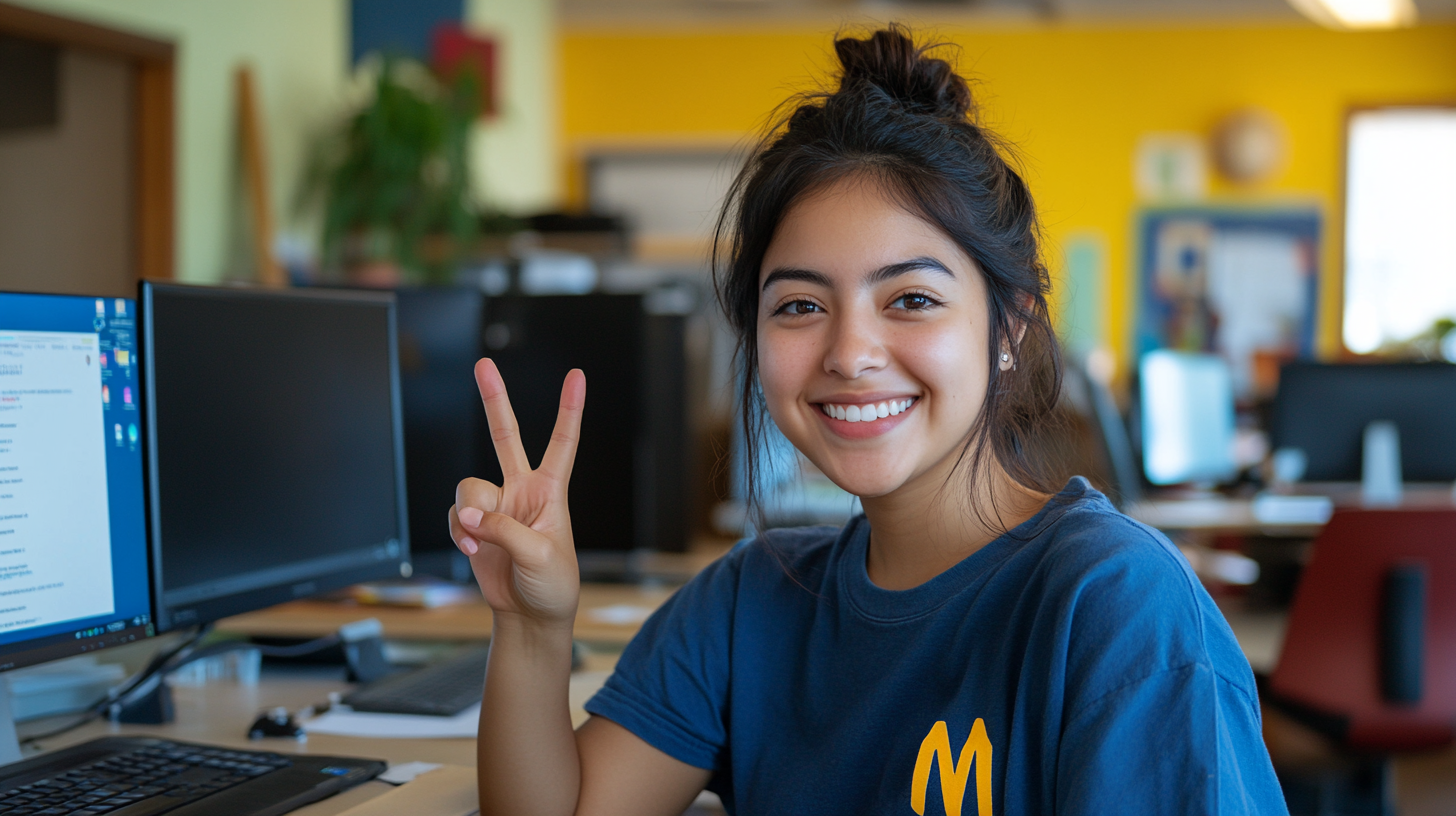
{"x":299,"y":52}
{"x":297,"y":49}
{"x":516,"y":164}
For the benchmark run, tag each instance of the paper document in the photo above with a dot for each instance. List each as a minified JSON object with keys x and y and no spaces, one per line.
{"x":1271,"y":509}
{"x":345,"y":722}
{"x":621,"y":614}
{"x":406,"y":772}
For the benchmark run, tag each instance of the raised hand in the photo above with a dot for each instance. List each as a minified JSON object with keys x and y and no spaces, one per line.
{"x":518,"y":534}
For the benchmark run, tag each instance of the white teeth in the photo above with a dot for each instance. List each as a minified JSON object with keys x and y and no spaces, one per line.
{"x":867,"y":413}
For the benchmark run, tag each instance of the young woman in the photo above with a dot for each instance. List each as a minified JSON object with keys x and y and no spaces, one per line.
{"x":979,"y":640}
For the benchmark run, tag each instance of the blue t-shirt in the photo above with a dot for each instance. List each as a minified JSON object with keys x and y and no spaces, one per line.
{"x":1074,"y":665}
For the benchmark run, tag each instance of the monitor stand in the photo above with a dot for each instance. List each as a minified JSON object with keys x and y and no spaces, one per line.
{"x":9,"y":742}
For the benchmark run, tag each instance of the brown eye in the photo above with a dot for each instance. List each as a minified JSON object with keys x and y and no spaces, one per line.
{"x":798,"y":307}
{"x":915,"y":302}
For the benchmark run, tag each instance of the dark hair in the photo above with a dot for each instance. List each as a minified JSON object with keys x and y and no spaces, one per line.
{"x":905,"y":120}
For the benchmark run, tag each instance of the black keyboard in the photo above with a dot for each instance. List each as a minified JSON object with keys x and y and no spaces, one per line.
{"x":443,"y":689}
{"x":131,"y":776}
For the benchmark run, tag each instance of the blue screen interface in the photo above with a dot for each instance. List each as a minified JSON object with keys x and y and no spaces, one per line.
{"x":73,"y":556}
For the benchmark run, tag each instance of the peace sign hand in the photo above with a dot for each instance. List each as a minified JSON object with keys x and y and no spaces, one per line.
{"x":518,"y":535}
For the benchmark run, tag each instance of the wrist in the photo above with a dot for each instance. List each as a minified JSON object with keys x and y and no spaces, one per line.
{"x":533,"y":632}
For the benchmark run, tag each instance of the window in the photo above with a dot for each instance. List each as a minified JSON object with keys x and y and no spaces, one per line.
{"x":1400,"y":224}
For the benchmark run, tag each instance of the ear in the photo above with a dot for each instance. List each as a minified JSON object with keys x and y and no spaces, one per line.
{"x":1006,"y":358}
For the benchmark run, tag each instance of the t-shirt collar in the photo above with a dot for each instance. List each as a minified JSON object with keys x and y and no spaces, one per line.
{"x":894,"y":606}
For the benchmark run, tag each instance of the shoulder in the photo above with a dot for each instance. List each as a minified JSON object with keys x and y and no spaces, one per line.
{"x":1084,"y":540}
{"x":1130,"y":600}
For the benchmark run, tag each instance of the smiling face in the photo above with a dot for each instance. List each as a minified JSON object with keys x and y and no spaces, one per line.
{"x":865,"y":309}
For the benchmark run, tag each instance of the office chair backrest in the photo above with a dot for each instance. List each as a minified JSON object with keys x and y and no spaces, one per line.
{"x":1371,"y":641}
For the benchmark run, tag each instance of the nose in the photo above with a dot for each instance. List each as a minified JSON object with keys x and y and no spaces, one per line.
{"x":856,"y":346}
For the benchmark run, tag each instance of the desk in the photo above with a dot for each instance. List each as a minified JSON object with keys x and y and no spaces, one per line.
{"x":1216,"y":514}
{"x":219,"y":714}
{"x":470,"y":621}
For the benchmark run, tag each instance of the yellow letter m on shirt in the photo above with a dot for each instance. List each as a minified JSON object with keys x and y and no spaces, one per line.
{"x":954,"y":775}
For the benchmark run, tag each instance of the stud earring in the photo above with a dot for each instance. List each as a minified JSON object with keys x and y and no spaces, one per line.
{"x":1005,"y":357}
{"x":1006,"y":361}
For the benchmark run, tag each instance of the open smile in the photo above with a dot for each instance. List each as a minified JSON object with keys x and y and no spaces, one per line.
{"x":866,"y":419}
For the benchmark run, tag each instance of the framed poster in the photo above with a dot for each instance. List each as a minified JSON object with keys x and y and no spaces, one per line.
{"x":1239,"y":282}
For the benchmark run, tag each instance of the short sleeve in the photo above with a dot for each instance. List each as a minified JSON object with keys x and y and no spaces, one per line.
{"x":1201,"y":732}
{"x":670,"y":686}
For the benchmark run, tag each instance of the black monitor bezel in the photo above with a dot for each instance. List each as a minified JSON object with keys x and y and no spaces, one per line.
{"x":211,"y":610}
{"x":35,"y":651}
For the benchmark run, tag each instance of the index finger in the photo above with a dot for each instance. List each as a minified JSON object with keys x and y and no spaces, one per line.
{"x":505,"y":434}
{"x":561,"y":452}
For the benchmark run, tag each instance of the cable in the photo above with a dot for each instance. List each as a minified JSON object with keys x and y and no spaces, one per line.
{"x":124,"y":688}
{"x":165,"y":662}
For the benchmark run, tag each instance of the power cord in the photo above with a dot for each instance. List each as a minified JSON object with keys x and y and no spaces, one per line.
{"x":165,"y":662}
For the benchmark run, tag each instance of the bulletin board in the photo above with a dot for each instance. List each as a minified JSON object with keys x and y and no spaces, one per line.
{"x":1239,"y":282}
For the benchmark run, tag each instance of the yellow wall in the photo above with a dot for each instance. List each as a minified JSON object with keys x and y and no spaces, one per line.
{"x":1075,"y":100}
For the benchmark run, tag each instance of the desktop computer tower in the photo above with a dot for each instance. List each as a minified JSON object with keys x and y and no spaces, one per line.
{"x":629,"y":484}
{"x":629,"y":488}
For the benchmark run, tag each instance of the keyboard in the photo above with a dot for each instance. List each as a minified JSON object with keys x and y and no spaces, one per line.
{"x":138,"y":776}
{"x":442,"y":689}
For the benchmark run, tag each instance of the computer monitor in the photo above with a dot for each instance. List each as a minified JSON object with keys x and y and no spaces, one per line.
{"x":1323,"y":409}
{"x":1187,"y":407}
{"x":73,"y":549}
{"x":274,"y":445}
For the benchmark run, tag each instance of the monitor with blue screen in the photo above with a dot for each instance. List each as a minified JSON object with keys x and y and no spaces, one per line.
{"x":73,"y":549}
{"x":1187,"y":403}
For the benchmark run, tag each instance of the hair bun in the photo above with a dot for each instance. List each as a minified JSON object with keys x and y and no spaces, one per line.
{"x":891,"y":61}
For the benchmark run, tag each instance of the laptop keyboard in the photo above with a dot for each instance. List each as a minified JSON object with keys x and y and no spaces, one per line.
{"x":147,"y":780}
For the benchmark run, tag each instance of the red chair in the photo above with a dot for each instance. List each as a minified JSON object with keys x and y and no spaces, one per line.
{"x":1370,"y":653}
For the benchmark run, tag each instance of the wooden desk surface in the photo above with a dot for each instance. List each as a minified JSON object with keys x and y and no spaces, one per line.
{"x":314,"y":618}
{"x":1213,"y":513}
{"x":472,"y":621}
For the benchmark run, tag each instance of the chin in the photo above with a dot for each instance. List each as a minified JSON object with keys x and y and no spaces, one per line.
{"x":858,"y":482}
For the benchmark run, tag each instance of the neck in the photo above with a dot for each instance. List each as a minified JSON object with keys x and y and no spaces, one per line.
{"x":938,"y":519}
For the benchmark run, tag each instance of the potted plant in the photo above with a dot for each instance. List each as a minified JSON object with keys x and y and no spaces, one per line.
{"x":394,"y":179}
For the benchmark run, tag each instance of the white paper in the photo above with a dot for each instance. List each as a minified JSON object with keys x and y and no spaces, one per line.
{"x":621,"y":614}
{"x":1272,"y":509}
{"x":406,"y":772}
{"x":345,"y":722}
{"x":1256,"y":284}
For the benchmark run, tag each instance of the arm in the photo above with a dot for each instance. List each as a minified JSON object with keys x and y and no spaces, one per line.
{"x":518,"y":537}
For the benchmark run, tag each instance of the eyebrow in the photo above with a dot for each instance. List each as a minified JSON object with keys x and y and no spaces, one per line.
{"x":884,"y":273}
